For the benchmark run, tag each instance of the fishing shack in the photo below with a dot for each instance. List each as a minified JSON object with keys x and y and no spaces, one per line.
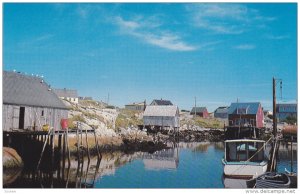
{"x":162,"y":117}
{"x":29,"y":104}
{"x":246,"y":114}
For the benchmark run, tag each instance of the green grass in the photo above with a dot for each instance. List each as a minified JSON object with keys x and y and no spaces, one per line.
{"x":204,"y":122}
{"x":127,"y":118}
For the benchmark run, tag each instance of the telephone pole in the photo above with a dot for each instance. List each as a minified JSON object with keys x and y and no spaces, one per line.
{"x":195,"y":105}
{"x":274,"y":104}
{"x":274,"y":108}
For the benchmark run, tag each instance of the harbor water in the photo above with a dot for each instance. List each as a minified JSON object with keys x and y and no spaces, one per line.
{"x":185,"y":165}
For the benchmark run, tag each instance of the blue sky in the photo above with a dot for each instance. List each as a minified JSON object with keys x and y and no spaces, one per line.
{"x":216,"y":52}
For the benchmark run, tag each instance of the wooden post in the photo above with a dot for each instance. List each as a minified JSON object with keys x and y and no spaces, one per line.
{"x":68,"y":148}
{"x":87,"y":145}
{"x":52,"y":143}
{"x":97,"y":146}
{"x":77,"y":138}
{"x":291,"y":153}
{"x":63,"y":155}
{"x":45,"y":143}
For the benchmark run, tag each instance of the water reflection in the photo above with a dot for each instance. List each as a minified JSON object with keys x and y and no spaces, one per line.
{"x":234,"y":183}
{"x":188,"y":165}
{"x":164,"y":159}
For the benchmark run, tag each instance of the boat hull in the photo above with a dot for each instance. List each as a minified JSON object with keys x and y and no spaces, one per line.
{"x":244,"y":169}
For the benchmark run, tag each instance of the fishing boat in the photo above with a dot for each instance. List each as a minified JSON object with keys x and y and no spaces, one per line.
{"x":244,"y":158}
{"x":270,"y":180}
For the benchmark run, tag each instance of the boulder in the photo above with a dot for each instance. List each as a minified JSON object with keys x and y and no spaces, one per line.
{"x":11,"y":158}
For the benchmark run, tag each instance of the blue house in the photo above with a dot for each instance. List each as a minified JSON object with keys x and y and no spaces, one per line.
{"x":285,"y":110}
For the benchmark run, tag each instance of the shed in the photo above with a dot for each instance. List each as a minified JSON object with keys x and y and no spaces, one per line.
{"x":29,"y":103}
{"x":200,"y":111}
{"x":137,"y":106}
{"x":67,"y":94}
{"x":221,"y":112}
{"x":161,"y":102}
{"x":245,"y":114}
{"x":286,"y":110}
{"x":162,"y":116}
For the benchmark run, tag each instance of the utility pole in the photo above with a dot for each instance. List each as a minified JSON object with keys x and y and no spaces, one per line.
{"x":274,"y":108}
{"x":108,"y":99}
{"x":195,"y":105}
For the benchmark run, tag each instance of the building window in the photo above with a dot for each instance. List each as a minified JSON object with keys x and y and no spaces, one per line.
{"x":42,"y":113}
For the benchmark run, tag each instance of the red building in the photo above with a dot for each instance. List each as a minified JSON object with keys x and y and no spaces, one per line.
{"x":246,"y":114}
{"x":200,"y":111}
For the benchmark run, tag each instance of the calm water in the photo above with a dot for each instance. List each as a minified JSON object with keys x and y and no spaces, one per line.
{"x":187,"y":165}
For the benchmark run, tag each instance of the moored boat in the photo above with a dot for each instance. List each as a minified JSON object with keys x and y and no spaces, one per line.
{"x":270,"y":180}
{"x":244,"y":158}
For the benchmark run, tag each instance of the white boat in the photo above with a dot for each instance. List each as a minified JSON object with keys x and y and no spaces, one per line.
{"x":244,"y":158}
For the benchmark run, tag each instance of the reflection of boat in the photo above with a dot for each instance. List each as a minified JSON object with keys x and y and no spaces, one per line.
{"x":270,"y":180}
{"x":234,"y":183}
{"x":244,"y":158}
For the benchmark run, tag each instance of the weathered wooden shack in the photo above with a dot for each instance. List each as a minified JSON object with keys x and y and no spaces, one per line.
{"x":246,"y":114}
{"x":200,"y":111}
{"x":161,"y":102}
{"x":29,"y":103}
{"x":67,"y":94}
{"x":136,"y":106}
{"x":162,"y":116}
{"x":221,"y":112}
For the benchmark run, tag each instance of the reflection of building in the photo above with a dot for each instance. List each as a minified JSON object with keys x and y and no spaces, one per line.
{"x":164,"y":159}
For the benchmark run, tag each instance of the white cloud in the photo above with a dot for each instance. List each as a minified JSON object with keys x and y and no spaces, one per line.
{"x":147,"y":31}
{"x":224,"y":18}
{"x":245,"y":47}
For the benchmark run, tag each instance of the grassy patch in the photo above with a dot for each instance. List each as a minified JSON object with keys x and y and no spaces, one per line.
{"x":127,"y":118}
{"x":208,"y":123}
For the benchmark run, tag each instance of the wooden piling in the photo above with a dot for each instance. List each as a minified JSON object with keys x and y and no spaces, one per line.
{"x":45,"y":143}
{"x":63,"y":155}
{"x":97,"y":146}
{"x":87,"y":146}
{"x":68,"y":148}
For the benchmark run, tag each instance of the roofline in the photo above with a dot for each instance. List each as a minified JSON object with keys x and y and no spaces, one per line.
{"x":245,"y":140}
{"x":66,"y":108}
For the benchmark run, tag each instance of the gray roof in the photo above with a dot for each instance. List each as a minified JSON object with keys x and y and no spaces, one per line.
{"x":66,"y":93}
{"x":162,"y":102}
{"x":244,"y":108}
{"x":168,"y":111}
{"x":19,"y":89}
{"x":222,"y":109}
{"x":198,"y":109}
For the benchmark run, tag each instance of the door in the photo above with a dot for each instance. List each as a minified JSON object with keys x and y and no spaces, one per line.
{"x":21,"y":117}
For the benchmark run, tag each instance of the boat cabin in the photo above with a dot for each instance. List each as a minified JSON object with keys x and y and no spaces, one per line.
{"x":244,"y":150}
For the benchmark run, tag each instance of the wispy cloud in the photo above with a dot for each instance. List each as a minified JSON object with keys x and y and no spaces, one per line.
{"x":245,"y":47}
{"x":147,"y":30}
{"x":280,"y":37}
{"x":38,"y":41}
{"x":224,"y":18}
